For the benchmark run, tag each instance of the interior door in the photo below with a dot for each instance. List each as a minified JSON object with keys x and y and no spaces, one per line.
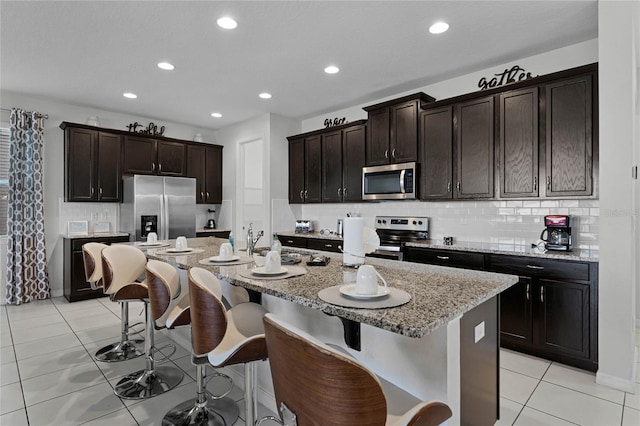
{"x":253,"y":208}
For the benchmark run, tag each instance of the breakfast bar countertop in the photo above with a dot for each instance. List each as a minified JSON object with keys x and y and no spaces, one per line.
{"x":438,"y":294}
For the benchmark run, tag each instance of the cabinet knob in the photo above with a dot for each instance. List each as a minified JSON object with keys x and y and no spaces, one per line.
{"x":548,"y":183}
{"x":443,"y":257}
{"x":458,"y":186}
{"x":153,"y":167}
{"x":542,"y":294}
{"x":393,"y":153}
{"x":535,"y":267}
{"x":528,"y":291}
{"x":535,"y":183}
{"x":306,"y":194}
{"x":302,"y":194}
{"x":386,"y":153}
{"x":92,"y":191}
{"x":339,"y":192}
{"x":448,"y":186}
{"x":159,"y":168}
{"x":100,"y":192}
{"x":207,"y":195}
{"x":328,"y":245}
{"x":344,"y":192}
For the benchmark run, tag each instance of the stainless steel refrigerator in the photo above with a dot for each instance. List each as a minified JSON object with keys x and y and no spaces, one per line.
{"x":164,"y":205}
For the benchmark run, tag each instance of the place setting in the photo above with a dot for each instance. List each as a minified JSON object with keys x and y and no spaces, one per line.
{"x":152,"y":242}
{"x":181,"y":248}
{"x":273,"y":269}
{"x":366,"y":292}
{"x":225,"y":257}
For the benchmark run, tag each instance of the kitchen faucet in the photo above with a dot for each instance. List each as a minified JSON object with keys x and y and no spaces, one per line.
{"x":251,"y":242}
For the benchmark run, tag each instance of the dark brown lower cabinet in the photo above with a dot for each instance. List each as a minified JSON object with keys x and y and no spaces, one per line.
{"x":75,"y":287}
{"x":552,"y":315}
{"x":552,"y":312}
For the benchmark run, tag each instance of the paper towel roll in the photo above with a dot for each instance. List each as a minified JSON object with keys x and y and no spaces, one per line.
{"x":352,"y":236}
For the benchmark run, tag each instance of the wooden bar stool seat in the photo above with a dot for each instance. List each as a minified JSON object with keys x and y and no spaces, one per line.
{"x":126,"y":348}
{"x":315,"y":384}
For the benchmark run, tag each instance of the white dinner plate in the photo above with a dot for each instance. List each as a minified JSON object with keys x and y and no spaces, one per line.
{"x":175,"y":250}
{"x":262,"y":271}
{"x":218,"y":259}
{"x":350,"y":290}
{"x":150,"y":244}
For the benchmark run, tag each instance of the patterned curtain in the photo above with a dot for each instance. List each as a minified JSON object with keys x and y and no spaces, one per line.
{"x":27,"y":277}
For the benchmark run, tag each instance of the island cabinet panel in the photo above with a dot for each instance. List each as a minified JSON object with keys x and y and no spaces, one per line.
{"x":75,"y":286}
{"x":518,"y":167}
{"x":552,"y":312}
{"x":332,"y":167}
{"x":436,"y":142}
{"x":479,"y":365}
{"x":146,"y":156}
{"x":569,"y":137}
{"x":93,"y":170}
{"x":474,"y":148}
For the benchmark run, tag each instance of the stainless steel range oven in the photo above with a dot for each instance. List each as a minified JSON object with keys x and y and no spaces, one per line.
{"x":395,"y":231}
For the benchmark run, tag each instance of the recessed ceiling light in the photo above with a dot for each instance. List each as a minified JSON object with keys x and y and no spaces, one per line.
{"x":438,"y":27}
{"x":216,"y":114}
{"x":265,"y":95}
{"x":331,"y":69}
{"x":130,"y":95}
{"x":165,"y":66}
{"x":227,"y":23}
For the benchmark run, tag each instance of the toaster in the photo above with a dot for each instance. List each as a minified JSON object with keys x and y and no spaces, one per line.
{"x":304,"y":226}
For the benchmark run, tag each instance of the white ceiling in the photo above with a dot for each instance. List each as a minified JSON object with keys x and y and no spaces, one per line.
{"x":89,"y":53}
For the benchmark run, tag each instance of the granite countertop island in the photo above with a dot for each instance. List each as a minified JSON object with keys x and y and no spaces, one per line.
{"x":438,"y":294}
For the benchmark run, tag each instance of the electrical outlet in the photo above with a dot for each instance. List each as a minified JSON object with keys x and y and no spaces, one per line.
{"x":479,"y":332}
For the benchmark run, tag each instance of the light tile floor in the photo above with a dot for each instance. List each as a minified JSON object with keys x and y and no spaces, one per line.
{"x":48,"y":376}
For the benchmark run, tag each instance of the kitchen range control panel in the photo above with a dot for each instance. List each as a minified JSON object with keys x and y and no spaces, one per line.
{"x":402,"y":223}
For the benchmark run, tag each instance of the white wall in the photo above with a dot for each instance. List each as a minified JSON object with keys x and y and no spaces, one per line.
{"x":618,"y":231}
{"x":57,"y":212}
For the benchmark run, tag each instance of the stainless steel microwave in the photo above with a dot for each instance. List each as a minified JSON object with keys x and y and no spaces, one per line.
{"x":390,"y":182}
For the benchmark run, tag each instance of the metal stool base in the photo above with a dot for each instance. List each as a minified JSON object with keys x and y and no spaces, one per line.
{"x":120,"y":351}
{"x":145,"y":384}
{"x":214,"y":412}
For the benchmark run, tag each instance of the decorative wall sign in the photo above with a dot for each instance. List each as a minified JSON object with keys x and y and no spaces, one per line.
{"x":151,"y":129}
{"x":507,"y":76}
{"x":101,"y":227}
{"x":77,"y":227}
{"x":335,"y":122}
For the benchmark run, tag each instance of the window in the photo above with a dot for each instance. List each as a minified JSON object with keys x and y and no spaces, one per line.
{"x":4,"y":178}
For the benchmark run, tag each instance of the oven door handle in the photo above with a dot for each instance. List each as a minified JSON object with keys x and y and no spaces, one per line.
{"x":402,"y":190}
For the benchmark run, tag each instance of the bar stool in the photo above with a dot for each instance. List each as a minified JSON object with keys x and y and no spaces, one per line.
{"x":316,"y":384}
{"x":222,"y":337}
{"x":163,"y":278}
{"x":126,"y":348}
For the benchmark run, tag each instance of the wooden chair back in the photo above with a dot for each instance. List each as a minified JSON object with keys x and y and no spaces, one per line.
{"x":92,"y":256}
{"x":121,"y":265}
{"x":318,"y":384}
{"x":208,"y":314}
{"x":163,"y":283}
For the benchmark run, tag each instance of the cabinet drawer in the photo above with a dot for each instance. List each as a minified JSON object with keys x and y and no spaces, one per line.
{"x":457,"y":259}
{"x":322,"y":244}
{"x":293,"y":241}
{"x":546,"y":268}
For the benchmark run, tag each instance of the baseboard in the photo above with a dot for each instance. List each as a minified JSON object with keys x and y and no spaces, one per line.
{"x":617,"y":382}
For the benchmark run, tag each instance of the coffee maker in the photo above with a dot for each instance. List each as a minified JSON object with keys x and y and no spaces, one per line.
{"x":558,"y":232}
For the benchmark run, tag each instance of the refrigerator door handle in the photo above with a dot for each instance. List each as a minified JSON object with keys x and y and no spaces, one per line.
{"x":165,"y":215}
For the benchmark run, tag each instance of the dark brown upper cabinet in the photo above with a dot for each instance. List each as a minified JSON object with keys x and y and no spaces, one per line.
{"x":474,"y":148}
{"x":143,"y":155}
{"x":518,"y":166}
{"x":342,"y":162}
{"x":436,"y":158}
{"x":305,"y":171}
{"x":93,"y":169}
{"x":204,"y":163}
{"x":392,"y":130}
{"x":569,"y":137}
{"x":332,"y":167}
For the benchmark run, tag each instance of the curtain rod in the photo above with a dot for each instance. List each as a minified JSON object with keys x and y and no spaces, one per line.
{"x":28,"y":112}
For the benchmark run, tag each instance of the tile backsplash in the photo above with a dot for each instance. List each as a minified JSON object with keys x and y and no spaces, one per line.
{"x":503,"y":222}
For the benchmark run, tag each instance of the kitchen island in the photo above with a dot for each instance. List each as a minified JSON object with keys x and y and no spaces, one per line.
{"x":427,"y":346}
